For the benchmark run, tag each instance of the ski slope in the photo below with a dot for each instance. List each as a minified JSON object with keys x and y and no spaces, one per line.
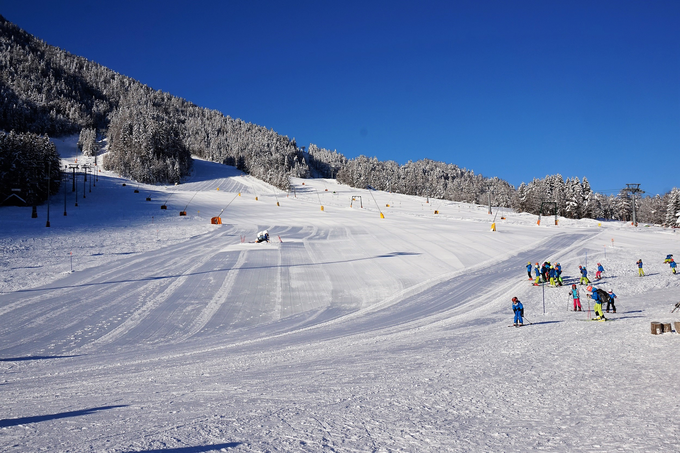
{"x":347,"y":332}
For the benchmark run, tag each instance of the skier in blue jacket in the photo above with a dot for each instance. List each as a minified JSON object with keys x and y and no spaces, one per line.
{"x":558,"y":272}
{"x":553,"y":275}
{"x":529,"y":270}
{"x":610,"y":302}
{"x":598,"y":303}
{"x":673,"y":265}
{"x":537,"y":271}
{"x":518,"y":308}
{"x":584,"y":275}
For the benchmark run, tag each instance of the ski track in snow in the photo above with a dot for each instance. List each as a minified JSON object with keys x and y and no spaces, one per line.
{"x":353,"y":334}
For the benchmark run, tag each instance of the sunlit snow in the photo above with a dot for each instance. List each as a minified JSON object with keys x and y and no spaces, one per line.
{"x":127,"y":327}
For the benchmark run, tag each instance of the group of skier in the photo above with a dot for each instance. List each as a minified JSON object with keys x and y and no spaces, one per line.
{"x":546,"y":273}
{"x":553,"y":273}
{"x":669,"y":260}
{"x":598,"y":295}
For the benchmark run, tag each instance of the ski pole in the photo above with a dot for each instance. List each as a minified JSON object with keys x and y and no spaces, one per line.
{"x":525,"y":318}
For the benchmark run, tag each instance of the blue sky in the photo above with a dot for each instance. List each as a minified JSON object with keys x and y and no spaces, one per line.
{"x":514,"y":89}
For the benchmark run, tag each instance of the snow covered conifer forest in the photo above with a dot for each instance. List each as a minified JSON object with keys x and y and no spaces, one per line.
{"x":152,"y":135}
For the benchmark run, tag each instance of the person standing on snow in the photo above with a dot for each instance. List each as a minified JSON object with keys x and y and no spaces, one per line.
{"x":641,"y":272}
{"x":529,"y":270}
{"x":558,"y":273}
{"x":518,"y":308}
{"x":537,"y":271}
{"x":598,"y":303}
{"x":584,"y":275}
{"x":600,"y":269}
{"x":577,"y":298}
{"x":673,"y":265}
{"x":610,"y":302}
{"x":546,"y":271}
{"x":553,"y":274}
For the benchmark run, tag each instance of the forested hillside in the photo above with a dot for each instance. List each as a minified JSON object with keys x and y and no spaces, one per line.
{"x":152,"y":136}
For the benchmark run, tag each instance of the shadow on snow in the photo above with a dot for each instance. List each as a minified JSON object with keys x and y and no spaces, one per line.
{"x":162,"y":277}
{"x":43,"y":418}
{"x":36,"y":357}
{"x":197,"y":449}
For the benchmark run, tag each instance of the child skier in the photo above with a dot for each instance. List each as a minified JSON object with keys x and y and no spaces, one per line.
{"x":610,"y":302}
{"x":518,"y":308}
{"x":600,"y":269}
{"x":673,"y":265}
{"x":553,"y":274}
{"x":537,"y":271}
{"x":544,"y":271}
{"x":641,"y":272}
{"x":529,"y":270}
{"x":598,"y":304}
{"x":558,"y":272}
{"x":584,"y":275}
{"x":577,"y":298}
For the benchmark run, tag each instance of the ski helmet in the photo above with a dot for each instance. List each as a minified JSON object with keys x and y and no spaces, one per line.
{"x":573,"y":286}
{"x":266,"y":231}
{"x":589,"y":288}
{"x":514,"y":299}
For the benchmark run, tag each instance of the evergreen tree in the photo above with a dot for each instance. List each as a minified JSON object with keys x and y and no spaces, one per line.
{"x":673,"y":209}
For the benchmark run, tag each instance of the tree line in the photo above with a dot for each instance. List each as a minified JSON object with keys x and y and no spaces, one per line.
{"x":152,"y":136}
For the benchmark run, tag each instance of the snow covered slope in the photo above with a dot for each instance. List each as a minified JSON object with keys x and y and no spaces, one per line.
{"x":348,"y":332}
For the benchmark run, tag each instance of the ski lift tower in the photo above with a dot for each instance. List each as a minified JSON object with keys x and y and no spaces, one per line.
{"x":549,"y":204}
{"x":632,"y":189}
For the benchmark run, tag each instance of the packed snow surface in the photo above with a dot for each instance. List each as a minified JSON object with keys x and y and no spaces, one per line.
{"x":127,"y":327}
